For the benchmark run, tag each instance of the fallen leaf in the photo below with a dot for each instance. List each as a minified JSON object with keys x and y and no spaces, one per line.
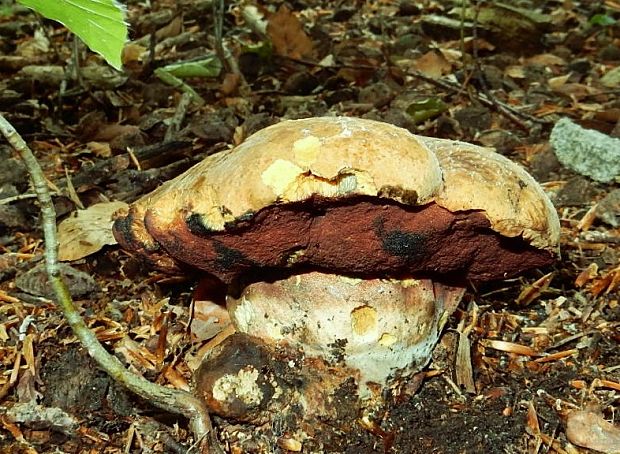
{"x":99,"y":149}
{"x":36,"y":282}
{"x":515,"y":71}
{"x":509,"y":347}
{"x":288,"y":36}
{"x":210,"y":316}
{"x":590,"y":430}
{"x":587,"y":275}
{"x":433,"y":64}
{"x":87,"y":231}
{"x":133,"y":52}
{"x":546,"y":60}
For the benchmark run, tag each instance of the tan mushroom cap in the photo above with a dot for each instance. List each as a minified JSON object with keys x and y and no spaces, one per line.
{"x":437,"y":184}
{"x":480,"y":179}
{"x":298,"y":159}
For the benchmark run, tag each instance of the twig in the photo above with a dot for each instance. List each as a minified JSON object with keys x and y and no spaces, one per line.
{"x":223,"y":53}
{"x":16,"y":198}
{"x":172,"y":400}
{"x":483,"y":83}
{"x":503,"y":108}
{"x":218,"y":28}
{"x":179,"y":116}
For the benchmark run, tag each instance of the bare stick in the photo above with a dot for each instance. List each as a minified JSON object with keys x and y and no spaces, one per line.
{"x":169,"y":399}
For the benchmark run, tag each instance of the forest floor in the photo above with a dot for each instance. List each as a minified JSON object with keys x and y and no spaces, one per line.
{"x":544,"y":346}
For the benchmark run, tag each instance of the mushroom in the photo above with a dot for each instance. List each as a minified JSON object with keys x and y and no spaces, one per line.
{"x":346,"y":244}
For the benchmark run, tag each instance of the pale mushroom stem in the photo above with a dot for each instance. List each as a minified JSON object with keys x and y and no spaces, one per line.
{"x":380,"y":332}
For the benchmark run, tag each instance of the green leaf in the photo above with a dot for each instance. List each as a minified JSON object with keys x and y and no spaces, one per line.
{"x":602,"y":19}
{"x":426,"y":109}
{"x":99,"y":23}
{"x":263,"y":49}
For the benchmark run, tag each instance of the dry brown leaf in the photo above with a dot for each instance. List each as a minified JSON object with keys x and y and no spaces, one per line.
{"x":463,"y":364}
{"x":136,"y":354}
{"x":607,"y":283}
{"x":176,"y":379}
{"x":87,"y":231}
{"x":532,"y":418}
{"x":588,"y":219}
{"x":433,"y":64}
{"x":590,"y":430}
{"x":556,"y":356}
{"x":209,"y":316}
{"x":209,"y":319}
{"x":109,"y":132}
{"x":288,"y":36}
{"x":515,"y":71}
{"x":37,"y":46}
{"x":576,"y":90}
{"x":172,"y":28}
{"x":133,"y":52}
{"x":556,"y":82}
{"x":100,"y":149}
{"x":546,"y":60}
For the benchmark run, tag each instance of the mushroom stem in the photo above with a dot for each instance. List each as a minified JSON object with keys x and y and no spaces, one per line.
{"x":384,"y":330}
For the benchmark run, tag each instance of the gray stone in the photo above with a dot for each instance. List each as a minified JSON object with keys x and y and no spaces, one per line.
{"x":608,"y":209}
{"x":585,"y":151}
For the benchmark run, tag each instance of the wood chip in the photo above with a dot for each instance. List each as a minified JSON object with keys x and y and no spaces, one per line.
{"x":556,"y":356}
{"x":510,"y":347}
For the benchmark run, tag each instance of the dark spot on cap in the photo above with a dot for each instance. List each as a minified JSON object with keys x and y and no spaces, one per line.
{"x":228,"y":258}
{"x":409,"y":246}
{"x":196,"y":226}
{"x":122,"y":229}
{"x":247,"y":216}
{"x":337,"y":350}
{"x":240,"y":221}
{"x":125,"y":233}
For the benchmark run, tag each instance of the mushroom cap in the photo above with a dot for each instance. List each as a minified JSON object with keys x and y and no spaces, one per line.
{"x":348,"y":195}
{"x":478,"y":178}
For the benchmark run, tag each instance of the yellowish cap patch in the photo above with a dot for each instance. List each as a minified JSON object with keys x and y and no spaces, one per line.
{"x":387,"y":339}
{"x":363,"y":320}
{"x":307,"y":150}
{"x":280,"y":175}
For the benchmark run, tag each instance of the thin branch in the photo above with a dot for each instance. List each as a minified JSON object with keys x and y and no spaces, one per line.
{"x":17,"y":198}
{"x":169,"y":399}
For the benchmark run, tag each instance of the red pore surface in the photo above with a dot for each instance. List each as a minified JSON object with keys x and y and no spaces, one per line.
{"x":363,"y":236}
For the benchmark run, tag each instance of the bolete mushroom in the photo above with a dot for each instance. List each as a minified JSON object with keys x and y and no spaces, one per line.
{"x":349,"y":241}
